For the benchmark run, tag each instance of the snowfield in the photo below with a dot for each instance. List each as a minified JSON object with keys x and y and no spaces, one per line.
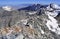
{"x":52,"y":23}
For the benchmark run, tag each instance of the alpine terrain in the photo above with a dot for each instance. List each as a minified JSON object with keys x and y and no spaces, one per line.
{"x":32,"y":22}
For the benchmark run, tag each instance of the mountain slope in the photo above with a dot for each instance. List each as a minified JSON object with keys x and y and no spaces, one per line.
{"x":38,"y":22}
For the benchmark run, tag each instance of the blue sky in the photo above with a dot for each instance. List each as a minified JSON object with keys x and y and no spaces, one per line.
{"x":14,"y":2}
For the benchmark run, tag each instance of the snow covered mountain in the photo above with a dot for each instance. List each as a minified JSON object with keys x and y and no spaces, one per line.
{"x":7,"y":8}
{"x":55,"y":6}
{"x":33,"y":7}
{"x":52,"y":23}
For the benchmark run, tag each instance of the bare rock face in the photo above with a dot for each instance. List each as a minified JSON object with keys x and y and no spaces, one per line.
{"x":40,"y":24}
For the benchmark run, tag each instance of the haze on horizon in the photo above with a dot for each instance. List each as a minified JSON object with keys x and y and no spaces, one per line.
{"x":16,"y":2}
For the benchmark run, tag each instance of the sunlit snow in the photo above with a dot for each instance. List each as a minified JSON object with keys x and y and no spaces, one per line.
{"x":52,"y":23}
{"x":7,"y":8}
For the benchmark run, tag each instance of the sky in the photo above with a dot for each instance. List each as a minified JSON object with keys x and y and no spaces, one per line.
{"x":15,"y":2}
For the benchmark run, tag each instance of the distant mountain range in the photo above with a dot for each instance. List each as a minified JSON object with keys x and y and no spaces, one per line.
{"x":18,"y":6}
{"x":33,"y":7}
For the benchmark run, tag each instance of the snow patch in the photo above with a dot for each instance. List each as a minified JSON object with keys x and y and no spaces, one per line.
{"x":52,"y":22}
{"x":7,"y":8}
{"x":55,"y":6}
{"x":24,"y":21}
{"x":42,"y":31}
{"x":32,"y":13}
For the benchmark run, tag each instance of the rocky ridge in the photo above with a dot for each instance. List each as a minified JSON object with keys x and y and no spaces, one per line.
{"x":23,"y":24}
